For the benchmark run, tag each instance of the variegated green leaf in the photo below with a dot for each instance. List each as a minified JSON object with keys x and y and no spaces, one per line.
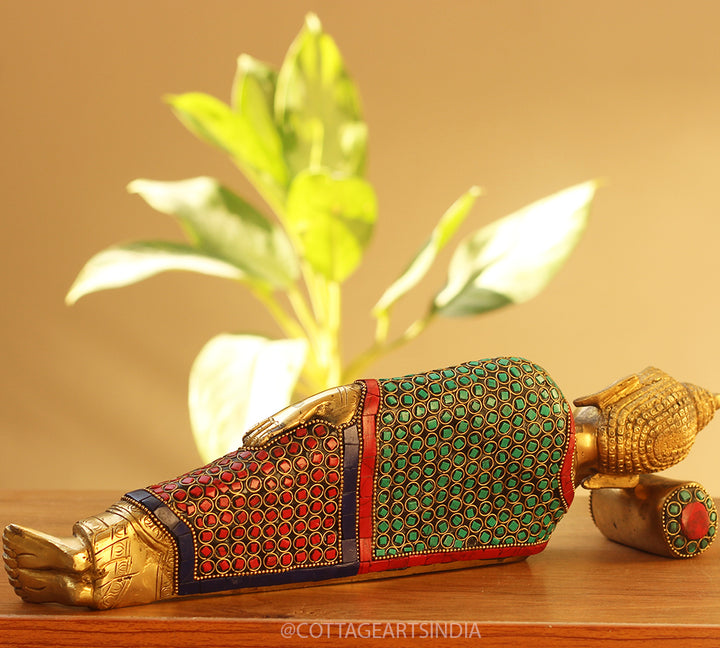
{"x":123,"y":265}
{"x":419,"y":266}
{"x":223,"y":225}
{"x":514,"y":258}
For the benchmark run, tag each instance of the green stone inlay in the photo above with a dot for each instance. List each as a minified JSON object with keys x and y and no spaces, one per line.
{"x":490,"y":434}
{"x":685,"y":495}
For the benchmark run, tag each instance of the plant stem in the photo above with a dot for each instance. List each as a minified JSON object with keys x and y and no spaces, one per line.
{"x":305,"y":317}
{"x":286,"y":322}
{"x":334,"y":313}
{"x":382,"y":348}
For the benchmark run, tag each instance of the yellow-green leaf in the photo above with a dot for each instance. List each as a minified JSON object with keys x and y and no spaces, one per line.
{"x":332,"y":219}
{"x":246,"y":137}
{"x":318,"y":106}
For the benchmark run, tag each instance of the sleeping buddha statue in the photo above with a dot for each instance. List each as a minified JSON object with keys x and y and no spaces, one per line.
{"x":470,"y":465}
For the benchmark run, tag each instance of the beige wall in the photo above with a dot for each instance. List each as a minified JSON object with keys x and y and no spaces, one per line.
{"x":524,"y":98}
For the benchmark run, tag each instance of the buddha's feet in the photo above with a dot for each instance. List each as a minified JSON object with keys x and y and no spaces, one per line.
{"x":44,"y":569}
{"x":118,"y":558}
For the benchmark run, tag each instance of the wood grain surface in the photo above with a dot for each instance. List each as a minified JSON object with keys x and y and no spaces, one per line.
{"x":582,"y":590}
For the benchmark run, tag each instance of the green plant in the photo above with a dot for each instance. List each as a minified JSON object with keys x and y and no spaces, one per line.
{"x":298,"y":135}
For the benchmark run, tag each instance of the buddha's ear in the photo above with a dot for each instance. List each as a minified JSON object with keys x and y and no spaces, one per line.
{"x":610,"y":394}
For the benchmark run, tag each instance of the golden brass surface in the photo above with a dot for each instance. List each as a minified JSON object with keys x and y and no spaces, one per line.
{"x":642,"y":424}
{"x":647,"y":422}
{"x":118,"y":558}
{"x":336,"y":406}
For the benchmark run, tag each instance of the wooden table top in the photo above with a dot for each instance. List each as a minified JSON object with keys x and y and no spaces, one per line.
{"x":581,"y":589}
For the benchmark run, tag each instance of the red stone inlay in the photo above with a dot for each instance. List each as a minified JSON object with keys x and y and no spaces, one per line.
{"x":367,"y":471}
{"x":287,"y":490}
{"x":695,"y":521}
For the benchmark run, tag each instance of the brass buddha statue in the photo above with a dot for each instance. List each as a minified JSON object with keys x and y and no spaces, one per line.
{"x":465,"y":466}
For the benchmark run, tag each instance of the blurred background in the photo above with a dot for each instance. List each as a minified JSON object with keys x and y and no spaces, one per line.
{"x":523,"y":98}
